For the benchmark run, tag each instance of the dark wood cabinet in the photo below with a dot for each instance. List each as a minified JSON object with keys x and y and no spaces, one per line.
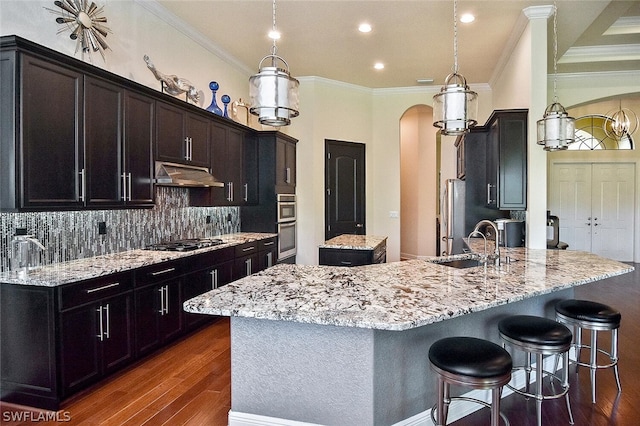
{"x":234,"y":162}
{"x":352,"y":257}
{"x":158,"y":306}
{"x":285,"y":165}
{"x":181,"y":136}
{"x":65,"y":141}
{"x":44,"y":146}
{"x":96,"y":340}
{"x":267,"y":253}
{"x":506,"y":175}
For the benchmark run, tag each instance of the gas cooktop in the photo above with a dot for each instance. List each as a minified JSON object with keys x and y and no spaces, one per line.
{"x":185,"y":245}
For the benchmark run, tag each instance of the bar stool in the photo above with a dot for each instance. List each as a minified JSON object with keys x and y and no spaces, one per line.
{"x":539,"y":336}
{"x":593,"y":316}
{"x":472,"y":362}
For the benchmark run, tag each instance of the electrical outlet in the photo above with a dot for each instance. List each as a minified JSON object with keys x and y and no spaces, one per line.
{"x":394,"y":214}
{"x":229,"y":217}
{"x":208,"y":219}
{"x":102,"y":228}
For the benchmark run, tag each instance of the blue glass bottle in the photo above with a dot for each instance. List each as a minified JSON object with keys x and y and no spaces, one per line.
{"x":214,"y":108}
{"x":225,"y":100}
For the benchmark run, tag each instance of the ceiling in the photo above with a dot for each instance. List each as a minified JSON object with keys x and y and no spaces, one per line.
{"x":414,"y":39}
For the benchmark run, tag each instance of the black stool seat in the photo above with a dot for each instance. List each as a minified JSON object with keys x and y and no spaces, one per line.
{"x":586,"y":310}
{"x":535,"y":330}
{"x":469,"y":356}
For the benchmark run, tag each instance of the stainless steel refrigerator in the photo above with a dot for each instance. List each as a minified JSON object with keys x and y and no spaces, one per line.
{"x":453,"y":216}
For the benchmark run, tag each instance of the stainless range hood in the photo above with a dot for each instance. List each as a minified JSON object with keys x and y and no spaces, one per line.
{"x":173,"y":174}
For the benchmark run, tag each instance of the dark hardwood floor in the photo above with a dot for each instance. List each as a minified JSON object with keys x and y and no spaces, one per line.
{"x":189,"y":382}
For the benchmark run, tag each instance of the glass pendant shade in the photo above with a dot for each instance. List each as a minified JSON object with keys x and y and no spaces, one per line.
{"x":455,"y":108}
{"x":556,"y":130}
{"x":274,"y":94}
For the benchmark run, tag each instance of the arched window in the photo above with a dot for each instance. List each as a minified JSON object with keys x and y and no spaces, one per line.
{"x":591,"y":136}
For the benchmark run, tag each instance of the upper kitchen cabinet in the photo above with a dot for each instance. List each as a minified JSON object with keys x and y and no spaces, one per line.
{"x":182,"y":136}
{"x":285,"y":164}
{"x":69,"y":136}
{"x":506,"y":175}
{"x":234,"y":162}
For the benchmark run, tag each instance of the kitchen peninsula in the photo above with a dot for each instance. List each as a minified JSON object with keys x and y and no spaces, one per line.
{"x":353,"y":250}
{"x":333,"y":345}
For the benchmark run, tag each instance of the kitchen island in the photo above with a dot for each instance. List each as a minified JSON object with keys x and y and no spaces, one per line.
{"x":333,"y":345}
{"x":353,"y":250}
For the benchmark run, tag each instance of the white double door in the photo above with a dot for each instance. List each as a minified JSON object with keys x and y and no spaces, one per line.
{"x":595,"y":205}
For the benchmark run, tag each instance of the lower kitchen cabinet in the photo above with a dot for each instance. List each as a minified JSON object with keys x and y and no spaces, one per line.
{"x":158,"y":307}
{"x":96,"y":340}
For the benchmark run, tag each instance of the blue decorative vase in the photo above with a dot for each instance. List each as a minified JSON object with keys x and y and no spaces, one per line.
{"x":225,"y":100}
{"x":214,"y":108}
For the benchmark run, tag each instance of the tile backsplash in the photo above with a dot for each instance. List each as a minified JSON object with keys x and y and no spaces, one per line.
{"x":69,"y":235}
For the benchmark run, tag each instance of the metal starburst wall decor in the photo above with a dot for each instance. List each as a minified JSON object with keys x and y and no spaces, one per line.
{"x":86,"y":24}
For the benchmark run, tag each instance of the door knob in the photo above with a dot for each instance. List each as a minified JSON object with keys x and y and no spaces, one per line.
{"x":358,"y":225}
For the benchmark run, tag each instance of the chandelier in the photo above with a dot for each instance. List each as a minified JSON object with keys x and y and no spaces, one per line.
{"x":273,"y":92}
{"x":620,"y":123}
{"x":556,"y":130}
{"x":455,"y":107}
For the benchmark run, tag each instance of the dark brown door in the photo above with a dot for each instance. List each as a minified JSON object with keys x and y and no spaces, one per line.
{"x":345,"y":188}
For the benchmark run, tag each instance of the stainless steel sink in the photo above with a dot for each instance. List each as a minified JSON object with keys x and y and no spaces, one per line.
{"x":462,"y":263}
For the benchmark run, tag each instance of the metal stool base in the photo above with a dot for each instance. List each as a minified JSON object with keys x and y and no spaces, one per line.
{"x":465,"y":398}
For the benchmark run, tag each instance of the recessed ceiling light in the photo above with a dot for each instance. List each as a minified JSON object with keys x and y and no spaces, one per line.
{"x":364,"y":28}
{"x":467,"y":18}
{"x":378,"y":65}
{"x":274,"y":35}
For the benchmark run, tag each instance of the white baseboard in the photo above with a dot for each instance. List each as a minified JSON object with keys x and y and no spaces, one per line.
{"x":457,"y":410}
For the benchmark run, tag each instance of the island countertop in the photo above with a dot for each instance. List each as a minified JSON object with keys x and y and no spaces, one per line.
{"x":401,"y":295}
{"x":354,"y":242}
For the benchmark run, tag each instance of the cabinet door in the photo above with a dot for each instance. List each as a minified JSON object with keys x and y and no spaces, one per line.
{"x":170,"y":142}
{"x":117,"y":343}
{"x":267,"y":258}
{"x":198,"y":132}
{"x":245,"y":266}
{"x":147,"y":311}
{"x":103,"y":103}
{"x":171,"y":319}
{"x":138,"y":159}
{"x":512,"y":176}
{"x":51,"y":125}
{"x":79,"y":347}
{"x":250,"y":169}
{"x":220,"y":165}
{"x":285,"y":166}
{"x":493,"y":159}
{"x":201,"y":282}
{"x":235,"y":141}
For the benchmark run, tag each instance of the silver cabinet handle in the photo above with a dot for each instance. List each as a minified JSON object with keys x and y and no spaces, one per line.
{"x":161,"y":291}
{"x":166,"y":299}
{"x":100,"y":335}
{"x":106,"y":310}
{"x":129,"y":187}
{"x":246,"y":249}
{"x":345,"y":263}
{"x":104,"y":287}
{"x":270,"y":243}
{"x":248,"y":264}
{"x":164,"y":271}
{"x":288,"y":175}
{"x":269,"y":260}
{"x":246,"y":192}
{"x":230,"y":194}
{"x":83,"y":181}
{"x":124,"y":187}
{"x":489,"y":200}
{"x":214,"y":279}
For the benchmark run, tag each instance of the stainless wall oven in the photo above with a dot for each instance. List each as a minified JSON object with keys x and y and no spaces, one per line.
{"x":286,"y":226}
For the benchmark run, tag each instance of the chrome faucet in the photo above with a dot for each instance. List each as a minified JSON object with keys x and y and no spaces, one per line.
{"x":496,"y":252}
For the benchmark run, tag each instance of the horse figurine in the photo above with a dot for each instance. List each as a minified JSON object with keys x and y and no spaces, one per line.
{"x":173,"y":84}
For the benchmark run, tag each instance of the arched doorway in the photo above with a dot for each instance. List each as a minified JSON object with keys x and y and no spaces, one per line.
{"x":419,"y":177}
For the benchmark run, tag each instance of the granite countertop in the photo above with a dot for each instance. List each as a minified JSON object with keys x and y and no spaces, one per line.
{"x":354,"y":242}
{"x":94,"y":267}
{"x":401,"y":295}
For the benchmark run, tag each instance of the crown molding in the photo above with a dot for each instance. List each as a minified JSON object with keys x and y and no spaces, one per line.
{"x":619,"y":52}
{"x":163,"y":14}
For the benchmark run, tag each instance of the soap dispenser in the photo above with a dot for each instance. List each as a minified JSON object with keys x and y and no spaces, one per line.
{"x":25,"y":252}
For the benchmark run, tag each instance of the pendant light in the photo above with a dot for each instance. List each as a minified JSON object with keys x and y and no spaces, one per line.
{"x":556,"y":130}
{"x":455,"y":108}
{"x":273,"y":92}
{"x":621,"y":123}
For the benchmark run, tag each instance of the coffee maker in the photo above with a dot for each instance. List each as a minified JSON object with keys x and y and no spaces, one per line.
{"x":511,"y":232}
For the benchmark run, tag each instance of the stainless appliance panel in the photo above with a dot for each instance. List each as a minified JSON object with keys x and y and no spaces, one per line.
{"x":286,"y":208}
{"x":453,"y":213}
{"x":286,"y":240}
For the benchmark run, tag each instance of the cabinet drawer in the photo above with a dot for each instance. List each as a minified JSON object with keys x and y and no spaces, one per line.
{"x":247,"y":249}
{"x":345,"y":257}
{"x":206,"y":260}
{"x":158,"y":273}
{"x":77,"y":294}
{"x":267,"y":244}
